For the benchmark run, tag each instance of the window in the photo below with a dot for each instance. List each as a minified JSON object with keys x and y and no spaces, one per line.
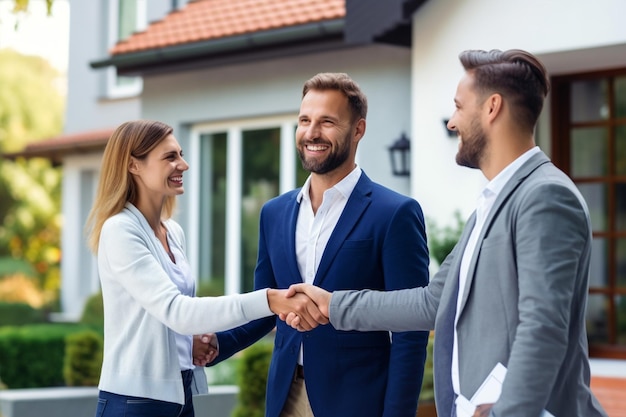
{"x":125,"y":18}
{"x":241,"y":166}
{"x":589,"y":143}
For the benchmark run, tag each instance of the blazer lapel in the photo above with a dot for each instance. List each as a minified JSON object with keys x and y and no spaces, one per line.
{"x":444,"y":325}
{"x":291,"y":212}
{"x":518,"y":177}
{"x":358,"y":201}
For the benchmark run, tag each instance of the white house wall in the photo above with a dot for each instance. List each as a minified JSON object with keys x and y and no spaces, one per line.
{"x":80,"y":279}
{"x":88,"y":105}
{"x":568,"y":35}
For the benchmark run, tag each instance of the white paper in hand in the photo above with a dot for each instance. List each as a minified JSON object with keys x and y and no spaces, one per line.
{"x":488,"y":393}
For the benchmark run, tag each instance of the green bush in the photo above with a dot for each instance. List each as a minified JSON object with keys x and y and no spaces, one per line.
{"x":93,"y":312}
{"x":441,"y":240}
{"x":83,"y":359}
{"x":225,"y":373}
{"x":17,"y":314}
{"x":32,"y":356}
{"x":252,"y":378}
{"x":210,"y":288}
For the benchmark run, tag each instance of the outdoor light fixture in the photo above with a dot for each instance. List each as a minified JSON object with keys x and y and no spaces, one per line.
{"x":451,"y":133}
{"x":400,"y":152}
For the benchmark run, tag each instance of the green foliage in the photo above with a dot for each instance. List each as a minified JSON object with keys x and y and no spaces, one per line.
{"x":83,"y":359}
{"x":30,"y":229}
{"x":32,"y":356}
{"x":212,"y":288}
{"x":252,"y":377}
{"x":31,"y":109}
{"x":21,"y":6}
{"x":10,"y":266}
{"x":17,"y":314}
{"x":225,"y":373}
{"x":93,"y":312}
{"x":31,"y":104}
{"x":441,"y":240}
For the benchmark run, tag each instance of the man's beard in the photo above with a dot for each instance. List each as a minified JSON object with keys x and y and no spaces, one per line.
{"x":472,"y":147}
{"x":334,"y":160}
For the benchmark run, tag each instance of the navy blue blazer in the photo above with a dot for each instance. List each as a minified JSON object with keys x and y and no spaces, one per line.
{"x":378,"y":243}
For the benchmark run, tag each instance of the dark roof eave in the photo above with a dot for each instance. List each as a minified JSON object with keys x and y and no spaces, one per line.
{"x":57,"y":148}
{"x":56,"y":155}
{"x":233,"y":44}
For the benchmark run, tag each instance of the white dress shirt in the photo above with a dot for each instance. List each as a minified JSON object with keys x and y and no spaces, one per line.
{"x":485,"y":201}
{"x":313,"y":230}
{"x":180,"y":273}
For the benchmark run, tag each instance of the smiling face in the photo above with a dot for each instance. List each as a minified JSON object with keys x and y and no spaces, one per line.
{"x":326,"y":137}
{"x":160,"y":173}
{"x":466,"y":121}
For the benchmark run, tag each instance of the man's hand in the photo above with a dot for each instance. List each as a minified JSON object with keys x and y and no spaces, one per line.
{"x":298,"y":304}
{"x":321,"y":298}
{"x":205,"y":349}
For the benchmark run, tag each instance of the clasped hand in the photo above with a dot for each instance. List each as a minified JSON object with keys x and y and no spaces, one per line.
{"x":302,"y":306}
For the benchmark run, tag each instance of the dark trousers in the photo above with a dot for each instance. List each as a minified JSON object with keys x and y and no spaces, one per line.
{"x":115,"y":405}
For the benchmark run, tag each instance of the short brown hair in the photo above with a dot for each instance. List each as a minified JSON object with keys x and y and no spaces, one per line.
{"x":116,"y":185}
{"x":342,"y":82}
{"x":517,"y":75}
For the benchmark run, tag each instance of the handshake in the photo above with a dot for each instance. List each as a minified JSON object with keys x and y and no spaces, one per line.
{"x":301,"y":306}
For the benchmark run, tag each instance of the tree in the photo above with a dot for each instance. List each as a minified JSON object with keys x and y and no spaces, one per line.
{"x":31,"y":108}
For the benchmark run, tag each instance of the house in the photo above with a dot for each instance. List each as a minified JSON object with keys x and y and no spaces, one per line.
{"x":227,"y":75}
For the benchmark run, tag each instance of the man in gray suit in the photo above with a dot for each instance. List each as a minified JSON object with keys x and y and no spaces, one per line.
{"x":514,"y":289}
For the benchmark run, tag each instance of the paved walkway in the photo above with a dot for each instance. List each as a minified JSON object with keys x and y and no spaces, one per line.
{"x":611,"y":393}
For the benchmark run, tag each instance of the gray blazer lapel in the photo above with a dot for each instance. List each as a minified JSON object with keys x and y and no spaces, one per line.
{"x":518,"y":177}
{"x":444,"y":325}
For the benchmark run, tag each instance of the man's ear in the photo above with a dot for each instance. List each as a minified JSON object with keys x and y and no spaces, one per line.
{"x":359,"y":130}
{"x":493,"y":106}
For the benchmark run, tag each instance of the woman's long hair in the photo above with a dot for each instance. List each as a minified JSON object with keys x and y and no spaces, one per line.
{"x":116,"y":186}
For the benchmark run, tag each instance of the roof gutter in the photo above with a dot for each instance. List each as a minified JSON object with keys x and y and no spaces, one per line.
{"x":222,"y":46}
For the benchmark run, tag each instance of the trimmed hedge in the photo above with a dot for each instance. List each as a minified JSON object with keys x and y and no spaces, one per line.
{"x":17,"y":314}
{"x":93,"y":312}
{"x":32,"y":356}
{"x":252,"y":377}
{"x":83,"y":359}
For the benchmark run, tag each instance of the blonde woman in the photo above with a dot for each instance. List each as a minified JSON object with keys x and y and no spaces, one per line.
{"x":150,"y":312}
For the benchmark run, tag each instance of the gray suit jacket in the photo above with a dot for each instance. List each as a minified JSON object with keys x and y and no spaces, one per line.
{"x":524,"y":301}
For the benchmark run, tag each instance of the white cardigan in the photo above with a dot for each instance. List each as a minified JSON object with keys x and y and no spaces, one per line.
{"x":142,"y":308}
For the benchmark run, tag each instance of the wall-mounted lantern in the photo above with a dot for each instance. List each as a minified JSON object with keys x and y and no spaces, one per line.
{"x":400,"y":153}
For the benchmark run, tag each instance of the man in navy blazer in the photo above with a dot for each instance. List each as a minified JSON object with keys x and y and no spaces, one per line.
{"x":339,"y":231}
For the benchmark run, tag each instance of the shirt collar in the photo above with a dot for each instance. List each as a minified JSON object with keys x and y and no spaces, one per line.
{"x":344,"y":187}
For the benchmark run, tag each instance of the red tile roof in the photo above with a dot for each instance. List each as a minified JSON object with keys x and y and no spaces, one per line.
{"x":204,"y":20}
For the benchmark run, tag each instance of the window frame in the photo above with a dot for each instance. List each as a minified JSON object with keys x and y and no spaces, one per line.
{"x":113,"y":89}
{"x":561,"y":146}
{"x":287,"y":181}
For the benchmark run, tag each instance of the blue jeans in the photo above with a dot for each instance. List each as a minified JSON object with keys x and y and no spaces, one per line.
{"x":115,"y":405}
